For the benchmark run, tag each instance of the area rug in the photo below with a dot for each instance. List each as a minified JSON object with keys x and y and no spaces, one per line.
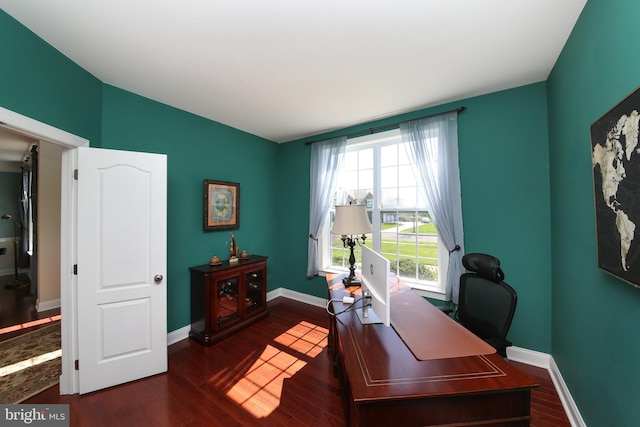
{"x":29,"y":364}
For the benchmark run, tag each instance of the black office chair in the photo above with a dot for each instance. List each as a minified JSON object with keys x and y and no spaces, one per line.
{"x":487,"y":304}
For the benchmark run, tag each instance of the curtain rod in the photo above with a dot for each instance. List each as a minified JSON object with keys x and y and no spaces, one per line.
{"x":387,"y":127}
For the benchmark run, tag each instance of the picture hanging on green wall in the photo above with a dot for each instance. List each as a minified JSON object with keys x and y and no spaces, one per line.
{"x":221,"y":205}
{"x":616,"y":174}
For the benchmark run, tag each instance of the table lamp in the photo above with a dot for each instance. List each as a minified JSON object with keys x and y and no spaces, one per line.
{"x":352,"y":224}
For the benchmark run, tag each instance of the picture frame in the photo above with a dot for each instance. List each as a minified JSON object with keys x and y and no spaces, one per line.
{"x":616,"y":179}
{"x":221,"y":205}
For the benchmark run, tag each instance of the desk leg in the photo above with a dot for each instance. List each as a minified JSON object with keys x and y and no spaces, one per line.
{"x":332,"y":342}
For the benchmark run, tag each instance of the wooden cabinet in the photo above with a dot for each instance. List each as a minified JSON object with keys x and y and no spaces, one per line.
{"x":227,"y":297}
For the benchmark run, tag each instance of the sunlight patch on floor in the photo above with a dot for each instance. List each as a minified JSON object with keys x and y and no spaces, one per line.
{"x":31,"y":324}
{"x":260,"y":389}
{"x":34,"y":361}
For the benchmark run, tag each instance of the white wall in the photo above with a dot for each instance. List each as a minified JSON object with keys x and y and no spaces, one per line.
{"x":49,"y":219}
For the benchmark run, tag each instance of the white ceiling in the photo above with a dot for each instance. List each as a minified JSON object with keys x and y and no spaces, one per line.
{"x":287,"y":69}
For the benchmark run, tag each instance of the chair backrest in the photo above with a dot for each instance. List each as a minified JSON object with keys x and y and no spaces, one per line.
{"x":486,"y":304}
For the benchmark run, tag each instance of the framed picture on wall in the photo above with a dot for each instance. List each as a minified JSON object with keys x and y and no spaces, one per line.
{"x":615,"y":161}
{"x":221,"y":205}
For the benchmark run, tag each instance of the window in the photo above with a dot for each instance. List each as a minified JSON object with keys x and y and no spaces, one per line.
{"x":378,"y":172}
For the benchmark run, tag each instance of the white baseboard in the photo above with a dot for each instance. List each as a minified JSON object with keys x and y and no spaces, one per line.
{"x":529,"y":357}
{"x":565,"y":396}
{"x":178,"y":335}
{"x":297,"y":296}
{"x":544,"y":360}
{"x":47,"y":305}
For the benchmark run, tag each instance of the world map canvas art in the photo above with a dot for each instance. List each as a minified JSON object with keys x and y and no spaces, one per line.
{"x":615,"y":156}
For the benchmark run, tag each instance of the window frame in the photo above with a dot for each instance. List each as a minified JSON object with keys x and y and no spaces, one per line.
{"x":436,"y":290}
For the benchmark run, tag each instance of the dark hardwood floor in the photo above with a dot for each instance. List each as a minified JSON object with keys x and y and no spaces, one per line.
{"x":546,"y":407}
{"x":274,"y":373}
{"x":17,"y":309}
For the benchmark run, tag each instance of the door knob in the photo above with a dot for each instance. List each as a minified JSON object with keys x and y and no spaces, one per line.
{"x":158,"y":278}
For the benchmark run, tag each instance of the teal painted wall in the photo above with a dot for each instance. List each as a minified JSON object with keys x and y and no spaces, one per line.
{"x":504,"y":172}
{"x":596,"y":317}
{"x":504,"y":164}
{"x":199,"y":149}
{"x":275,"y":178}
{"x":527,"y":191}
{"x":39,"y":82}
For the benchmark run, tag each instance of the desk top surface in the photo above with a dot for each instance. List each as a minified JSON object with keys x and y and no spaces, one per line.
{"x":428,"y":332}
{"x":380,"y":364}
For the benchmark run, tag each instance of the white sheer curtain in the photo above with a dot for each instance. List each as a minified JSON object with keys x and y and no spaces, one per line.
{"x":434,"y":141}
{"x":326,"y":158}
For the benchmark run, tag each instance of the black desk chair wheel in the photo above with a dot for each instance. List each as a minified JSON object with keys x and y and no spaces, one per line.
{"x":487,"y":304}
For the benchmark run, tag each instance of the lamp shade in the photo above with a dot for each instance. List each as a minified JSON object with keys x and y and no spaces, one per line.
{"x":351,"y":219}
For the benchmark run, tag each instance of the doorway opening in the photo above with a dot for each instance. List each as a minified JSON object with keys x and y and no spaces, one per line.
{"x":24,"y":299}
{"x":64,"y":142}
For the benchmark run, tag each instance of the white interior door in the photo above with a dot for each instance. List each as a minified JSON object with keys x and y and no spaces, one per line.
{"x":121,"y":267}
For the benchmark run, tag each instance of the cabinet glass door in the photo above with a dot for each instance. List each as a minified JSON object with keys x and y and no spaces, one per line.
{"x":228,"y":307}
{"x":254,"y":291}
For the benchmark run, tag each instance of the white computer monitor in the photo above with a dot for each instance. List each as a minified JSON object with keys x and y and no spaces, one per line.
{"x":375,"y":283}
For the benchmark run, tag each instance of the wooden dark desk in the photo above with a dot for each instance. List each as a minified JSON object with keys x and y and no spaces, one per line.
{"x":383,"y":383}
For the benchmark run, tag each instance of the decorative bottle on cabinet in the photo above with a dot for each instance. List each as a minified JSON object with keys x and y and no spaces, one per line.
{"x":233,"y":248}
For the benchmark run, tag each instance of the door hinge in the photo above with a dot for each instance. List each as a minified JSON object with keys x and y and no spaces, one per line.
{"x":76,"y":365}
{"x":75,"y":269}
{"x":75,"y":174}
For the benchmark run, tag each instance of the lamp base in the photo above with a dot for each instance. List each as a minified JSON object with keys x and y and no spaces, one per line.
{"x":351,"y":281}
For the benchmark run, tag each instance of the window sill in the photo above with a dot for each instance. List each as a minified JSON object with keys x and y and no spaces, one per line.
{"x":422,"y":290}
{"x":323,"y":273}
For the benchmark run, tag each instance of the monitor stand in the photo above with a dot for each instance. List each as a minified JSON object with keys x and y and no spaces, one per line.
{"x":366,"y":314}
{"x":370,"y":318}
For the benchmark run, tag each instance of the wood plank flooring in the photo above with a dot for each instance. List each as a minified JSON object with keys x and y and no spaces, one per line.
{"x":546,"y":407}
{"x":275,"y":373}
{"x":17,"y":310}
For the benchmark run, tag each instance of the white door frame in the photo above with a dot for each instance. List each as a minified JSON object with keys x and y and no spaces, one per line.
{"x":68,"y":282}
